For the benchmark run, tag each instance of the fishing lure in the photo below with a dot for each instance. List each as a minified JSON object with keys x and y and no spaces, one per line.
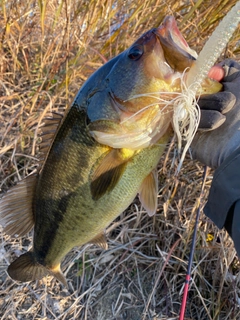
{"x":186,"y":114}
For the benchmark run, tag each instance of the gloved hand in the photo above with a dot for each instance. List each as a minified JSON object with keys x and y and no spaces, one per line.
{"x":220,"y":148}
{"x":212,"y":147}
{"x":213,"y":107}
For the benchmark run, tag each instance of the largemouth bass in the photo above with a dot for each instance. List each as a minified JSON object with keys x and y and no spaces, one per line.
{"x":105,"y":151}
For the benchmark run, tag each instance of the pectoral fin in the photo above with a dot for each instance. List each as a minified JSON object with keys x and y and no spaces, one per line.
{"x":100,"y":240}
{"x":108,"y":173}
{"x":148,"y":193}
{"x":16,"y":215}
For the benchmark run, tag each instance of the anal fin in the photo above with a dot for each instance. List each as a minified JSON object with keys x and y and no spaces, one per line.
{"x":100,"y":240}
{"x":148,"y":193}
{"x":16,"y":215}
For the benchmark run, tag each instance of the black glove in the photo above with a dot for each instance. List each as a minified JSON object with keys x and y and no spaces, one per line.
{"x":213,"y":107}
{"x":220,"y":148}
{"x":212,"y":147}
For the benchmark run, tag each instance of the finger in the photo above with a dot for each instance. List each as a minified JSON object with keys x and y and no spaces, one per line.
{"x":216,"y":73}
{"x":221,"y":102}
{"x":230,"y":63}
{"x":210,"y":120}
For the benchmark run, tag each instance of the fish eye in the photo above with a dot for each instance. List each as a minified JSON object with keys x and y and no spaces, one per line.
{"x":135,"y":52}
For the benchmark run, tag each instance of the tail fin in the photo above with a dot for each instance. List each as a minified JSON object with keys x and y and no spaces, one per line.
{"x":26,"y":268}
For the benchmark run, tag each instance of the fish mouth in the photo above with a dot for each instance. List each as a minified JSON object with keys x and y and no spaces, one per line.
{"x":176,"y":50}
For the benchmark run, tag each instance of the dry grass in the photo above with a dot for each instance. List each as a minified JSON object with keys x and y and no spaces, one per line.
{"x":47,"y":50}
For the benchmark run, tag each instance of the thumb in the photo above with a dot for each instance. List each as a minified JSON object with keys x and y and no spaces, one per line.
{"x":216,"y":73}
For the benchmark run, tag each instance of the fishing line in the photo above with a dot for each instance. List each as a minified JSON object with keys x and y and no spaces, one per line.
{"x":190,"y":261}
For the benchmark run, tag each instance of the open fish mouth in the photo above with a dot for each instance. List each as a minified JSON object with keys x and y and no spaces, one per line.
{"x":177,"y":52}
{"x":139,"y":115}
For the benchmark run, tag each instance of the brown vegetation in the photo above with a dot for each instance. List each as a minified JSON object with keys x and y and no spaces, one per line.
{"x":47,"y":50}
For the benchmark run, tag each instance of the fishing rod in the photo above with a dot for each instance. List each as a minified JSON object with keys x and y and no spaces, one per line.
{"x":190,"y":261}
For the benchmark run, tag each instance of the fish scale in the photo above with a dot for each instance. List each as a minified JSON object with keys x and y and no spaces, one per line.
{"x":105,"y":151}
{"x":68,"y":227}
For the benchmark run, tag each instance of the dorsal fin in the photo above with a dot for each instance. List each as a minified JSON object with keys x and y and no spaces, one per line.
{"x":108,"y":173}
{"x":47,"y":132}
{"x":16,"y":215}
{"x":148,"y":193}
